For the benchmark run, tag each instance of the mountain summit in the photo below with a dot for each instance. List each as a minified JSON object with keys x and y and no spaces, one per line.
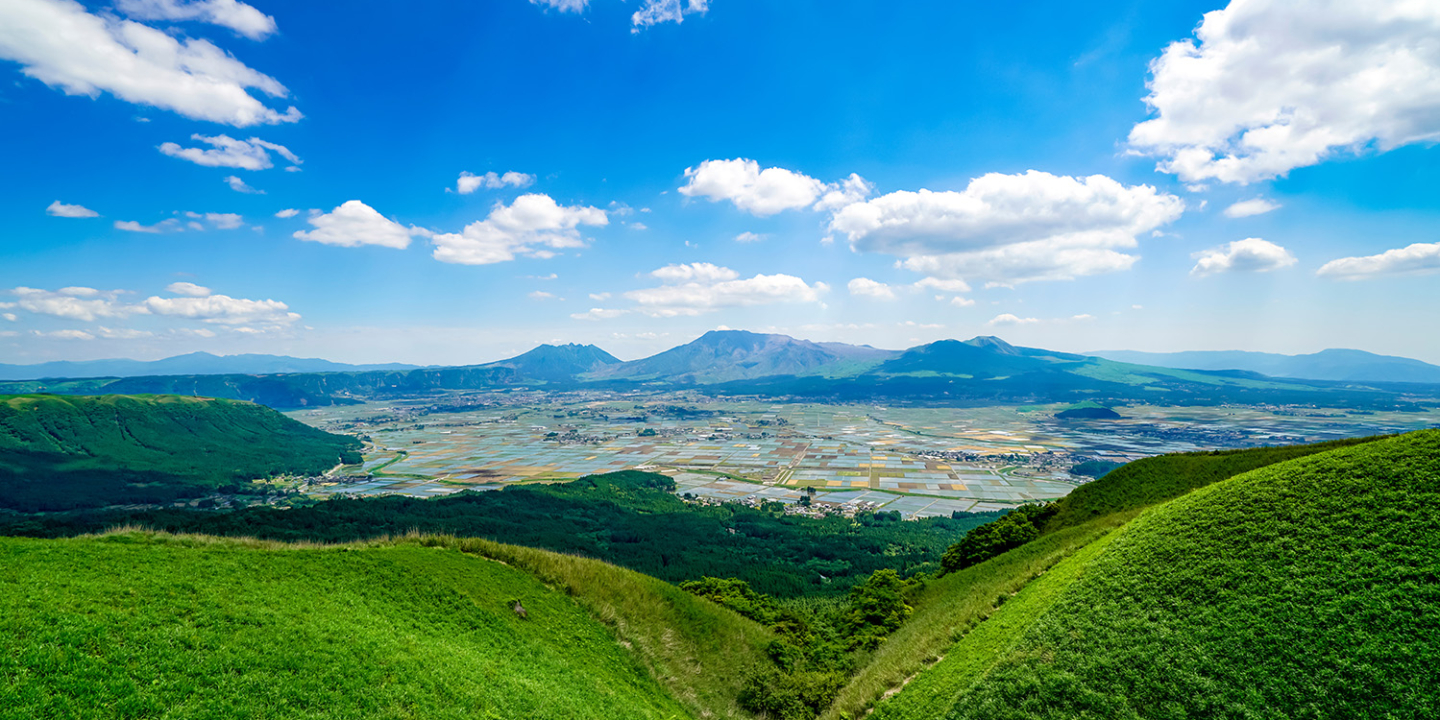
{"x":723,"y":355}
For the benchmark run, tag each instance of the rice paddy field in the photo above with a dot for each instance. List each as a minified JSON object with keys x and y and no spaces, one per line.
{"x":918,"y":461}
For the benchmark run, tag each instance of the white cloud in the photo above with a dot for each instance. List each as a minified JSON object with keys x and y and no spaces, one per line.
{"x":59,"y":209}
{"x":600,"y":296}
{"x":469,"y":183}
{"x":287,"y":213}
{"x":542,"y":295}
{"x":701,"y":272}
{"x":527,"y":226}
{"x":958,"y":301}
{"x":65,"y":334}
{"x":187,"y":289}
{"x":225,"y":151}
{"x":575,"y":6}
{"x":846,"y":192}
{"x":1011,"y":228}
{"x":865,"y":287}
{"x":73,"y":303}
{"x":170,"y":225}
{"x":224,"y":310}
{"x":12,"y":317}
{"x":1417,"y":259}
{"x":598,"y":314}
{"x":1009,"y":319}
{"x":237,"y":16}
{"x":122,"y":333}
{"x":1248,"y":255}
{"x":701,"y":287}
{"x":1248,"y":208}
{"x":1274,"y":85}
{"x":942,"y":285}
{"x":64,"y":46}
{"x":748,"y":237}
{"x":239,"y":186}
{"x":221,"y":221}
{"x":654,"y":12}
{"x":758,"y":192}
{"x":354,"y":224}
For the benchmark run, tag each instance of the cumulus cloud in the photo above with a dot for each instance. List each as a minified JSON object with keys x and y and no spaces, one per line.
{"x":225,"y":151}
{"x":188,"y":289}
{"x":599,"y":314}
{"x":696,"y":288}
{"x":1248,"y":208}
{"x":1010,"y":229}
{"x":1273,"y":85}
{"x":61,"y":44}
{"x":221,"y":221}
{"x":59,"y":209}
{"x":768,"y":191}
{"x":239,"y":186}
{"x":950,"y":285}
{"x":64,"y":334}
{"x":542,"y":295}
{"x":575,"y":6}
{"x":354,"y":224}
{"x":654,"y":12}
{"x":701,"y":272}
{"x":865,"y":287}
{"x":469,"y":183}
{"x":73,"y":303}
{"x":1009,"y":319}
{"x":170,"y":225}
{"x":287,"y":213}
{"x":237,"y":16}
{"x":748,"y":237}
{"x":1248,"y":255}
{"x":1417,"y":259}
{"x":534,"y":225}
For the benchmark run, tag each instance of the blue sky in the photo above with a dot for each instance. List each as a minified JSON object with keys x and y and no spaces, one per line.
{"x":1139,"y":176}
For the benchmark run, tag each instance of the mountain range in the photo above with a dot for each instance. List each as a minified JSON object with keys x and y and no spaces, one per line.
{"x":1334,"y":364}
{"x":198,"y":363}
{"x":981,"y":370}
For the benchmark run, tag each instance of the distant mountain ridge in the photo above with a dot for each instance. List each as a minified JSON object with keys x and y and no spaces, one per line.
{"x":197,"y":363}
{"x":1334,"y":364}
{"x":558,"y":363}
{"x":724,"y":355}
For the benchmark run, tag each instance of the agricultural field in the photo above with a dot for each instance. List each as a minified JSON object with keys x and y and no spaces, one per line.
{"x":921,"y":462}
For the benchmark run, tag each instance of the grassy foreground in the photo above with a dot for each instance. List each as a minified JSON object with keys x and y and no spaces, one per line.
{"x":1305,"y":589}
{"x":136,"y":624}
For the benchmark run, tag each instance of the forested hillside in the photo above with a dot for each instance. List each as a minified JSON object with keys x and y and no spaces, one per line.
{"x":64,"y":452}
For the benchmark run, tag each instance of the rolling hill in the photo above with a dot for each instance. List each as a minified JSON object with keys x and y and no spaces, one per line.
{"x":1286,"y":582}
{"x":136,"y":624}
{"x":62,"y":452}
{"x":1338,"y":365}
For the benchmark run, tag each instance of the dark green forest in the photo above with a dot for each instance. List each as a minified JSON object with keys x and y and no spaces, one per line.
{"x":68,"y":452}
{"x":632,"y":519}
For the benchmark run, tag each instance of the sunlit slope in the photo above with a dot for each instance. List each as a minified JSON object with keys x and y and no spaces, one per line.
{"x":142,"y":625}
{"x":62,"y":452}
{"x":1304,"y":589}
{"x":1153,"y":480}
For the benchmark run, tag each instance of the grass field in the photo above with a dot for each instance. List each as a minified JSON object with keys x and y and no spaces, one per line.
{"x":135,"y":624}
{"x":1303,"y":589}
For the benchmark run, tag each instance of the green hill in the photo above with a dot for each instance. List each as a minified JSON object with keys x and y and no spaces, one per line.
{"x":134,"y":624}
{"x":62,"y":452}
{"x":1305,"y":588}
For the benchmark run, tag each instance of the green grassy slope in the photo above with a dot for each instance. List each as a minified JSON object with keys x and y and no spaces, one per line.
{"x":953,"y":606}
{"x":61,"y":452}
{"x":1303,"y":589}
{"x":141,"y":625}
{"x":1154,"y":480}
